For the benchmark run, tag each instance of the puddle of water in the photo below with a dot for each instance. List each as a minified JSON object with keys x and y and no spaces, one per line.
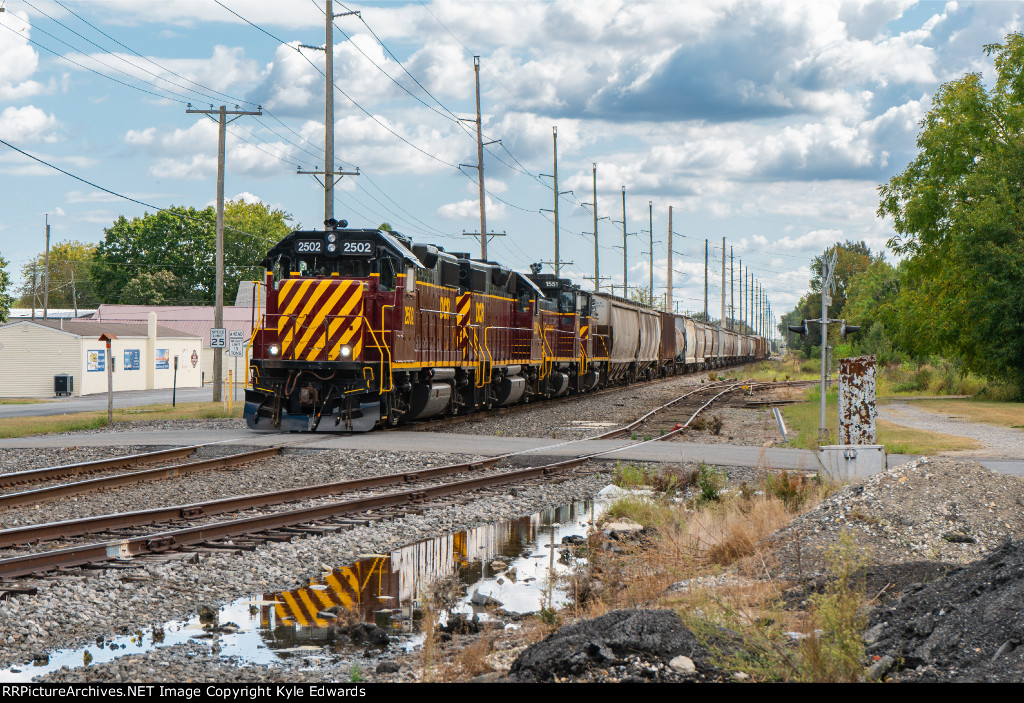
{"x":505,"y":563}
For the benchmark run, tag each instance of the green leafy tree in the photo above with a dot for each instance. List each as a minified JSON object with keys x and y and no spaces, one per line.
{"x":250,"y":230}
{"x":6,"y":300}
{"x":958,"y":214}
{"x":182,"y":242}
{"x":70,"y":281}
{"x":852,"y":259}
{"x":157,"y":288}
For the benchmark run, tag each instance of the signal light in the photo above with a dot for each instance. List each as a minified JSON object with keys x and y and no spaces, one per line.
{"x":800,"y":329}
{"x":846,"y":329}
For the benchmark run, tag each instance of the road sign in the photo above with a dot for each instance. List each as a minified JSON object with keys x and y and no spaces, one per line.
{"x":236,"y":347}
{"x":236,"y":335}
{"x":218,"y":337}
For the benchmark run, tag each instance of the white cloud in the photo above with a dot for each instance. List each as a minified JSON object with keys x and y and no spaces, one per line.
{"x":19,"y":60}
{"x":28,"y":124}
{"x":226,"y":69}
{"x":470,"y":210}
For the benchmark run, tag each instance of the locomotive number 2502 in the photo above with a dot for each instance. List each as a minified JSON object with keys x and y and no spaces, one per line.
{"x":357,"y":248}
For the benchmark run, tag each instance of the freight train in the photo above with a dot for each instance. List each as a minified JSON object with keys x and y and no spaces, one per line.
{"x":365,"y":328}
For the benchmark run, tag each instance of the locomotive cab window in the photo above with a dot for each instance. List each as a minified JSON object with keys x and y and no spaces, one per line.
{"x":353,"y":268}
{"x":523,"y":300}
{"x":566,"y":301}
{"x":386,"y":268}
{"x":583,"y":305}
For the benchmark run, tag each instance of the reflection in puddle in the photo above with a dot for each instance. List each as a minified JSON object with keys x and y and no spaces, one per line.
{"x":505,"y":566}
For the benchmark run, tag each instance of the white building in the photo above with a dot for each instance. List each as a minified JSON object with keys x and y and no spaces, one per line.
{"x":32,"y":353}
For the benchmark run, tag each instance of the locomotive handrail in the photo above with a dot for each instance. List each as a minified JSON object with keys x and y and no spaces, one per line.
{"x":547,"y":363}
{"x":382,"y":348}
{"x":481,"y":364}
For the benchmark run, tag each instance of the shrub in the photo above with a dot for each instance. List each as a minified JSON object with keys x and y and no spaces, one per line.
{"x":710,"y":482}
{"x":791,"y":489}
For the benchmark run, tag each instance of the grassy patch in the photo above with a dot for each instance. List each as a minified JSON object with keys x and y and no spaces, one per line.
{"x":803,"y":419}
{"x":792,"y":368}
{"x":20,"y":401}
{"x":985,"y":411}
{"x":73,"y":422}
{"x":716,"y":553}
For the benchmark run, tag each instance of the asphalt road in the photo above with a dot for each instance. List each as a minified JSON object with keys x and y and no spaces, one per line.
{"x":98,"y":401}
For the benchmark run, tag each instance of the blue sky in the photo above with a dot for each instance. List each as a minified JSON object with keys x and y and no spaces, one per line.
{"x":768,"y":123}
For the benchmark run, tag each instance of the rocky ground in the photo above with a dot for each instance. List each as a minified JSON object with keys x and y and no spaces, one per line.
{"x":944,"y":539}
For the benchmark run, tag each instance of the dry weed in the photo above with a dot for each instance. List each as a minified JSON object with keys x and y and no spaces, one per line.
{"x":734,"y":530}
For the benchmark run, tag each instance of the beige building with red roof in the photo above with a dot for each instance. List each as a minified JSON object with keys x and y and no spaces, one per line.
{"x":33,"y":353}
{"x":194,"y":321}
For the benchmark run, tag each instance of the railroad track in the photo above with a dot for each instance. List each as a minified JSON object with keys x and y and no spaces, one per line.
{"x":285,"y":524}
{"x":432,"y":424}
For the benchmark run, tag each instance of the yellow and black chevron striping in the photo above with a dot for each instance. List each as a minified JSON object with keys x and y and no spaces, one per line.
{"x":462,"y":317}
{"x":318,"y":316}
{"x":340,"y":587}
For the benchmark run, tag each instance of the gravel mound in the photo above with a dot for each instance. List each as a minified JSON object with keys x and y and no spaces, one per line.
{"x":966,"y":626}
{"x":930,"y":509}
{"x":624,"y":645}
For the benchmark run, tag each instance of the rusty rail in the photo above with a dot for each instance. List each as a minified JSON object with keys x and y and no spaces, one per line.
{"x":35,"y":495}
{"x":89,"y":467}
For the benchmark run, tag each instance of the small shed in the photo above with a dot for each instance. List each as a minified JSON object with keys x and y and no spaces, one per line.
{"x":32,"y":353}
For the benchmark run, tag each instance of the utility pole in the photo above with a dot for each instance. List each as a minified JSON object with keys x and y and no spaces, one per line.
{"x":74,"y":293}
{"x":557,"y":263}
{"x":35,"y":286}
{"x":597,"y":268}
{"x":706,"y":318}
{"x":732,"y":292}
{"x":480,"y":164}
{"x":669,"y":291}
{"x":650,"y":213}
{"x":46,"y":272}
{"x":328,"y":120}
{"x":554,"y":141}
{"x":743,"y":328}
{"x":723,"y":282}
{"x":331,"y":177}
{"x":218,"y":310}
{"x":625,"y":271}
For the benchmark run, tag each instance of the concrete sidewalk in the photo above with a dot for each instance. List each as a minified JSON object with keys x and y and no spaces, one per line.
{"x":472,"y":445}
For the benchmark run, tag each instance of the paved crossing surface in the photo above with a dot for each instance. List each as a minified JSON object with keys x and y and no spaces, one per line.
{"x":475,"y":445}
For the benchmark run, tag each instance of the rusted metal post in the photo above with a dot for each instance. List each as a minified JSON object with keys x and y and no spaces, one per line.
{"x":857,"y":400}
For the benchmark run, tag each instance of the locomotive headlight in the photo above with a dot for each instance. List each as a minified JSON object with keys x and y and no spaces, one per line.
{"x":332,"y":237}
{"x":274,"y":350}
{"x":331,"y":247}
{"x":346,"y":352}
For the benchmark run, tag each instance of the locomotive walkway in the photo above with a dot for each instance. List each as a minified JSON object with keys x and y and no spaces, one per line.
{"x":477,"y":445}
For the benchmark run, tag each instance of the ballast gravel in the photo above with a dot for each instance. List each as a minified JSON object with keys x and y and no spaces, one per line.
{"x":74,"y":611}
{"x":937,"y":509}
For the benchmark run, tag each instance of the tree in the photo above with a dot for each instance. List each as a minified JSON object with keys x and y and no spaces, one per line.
{"x":182,"y":241}
{"x":852,"y":259}
{"x":157,"y":288}
{"x":250,"y":231}
{"x":6,"y":300}
{"x":958,"y":214}
{"x":70,"y":283}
